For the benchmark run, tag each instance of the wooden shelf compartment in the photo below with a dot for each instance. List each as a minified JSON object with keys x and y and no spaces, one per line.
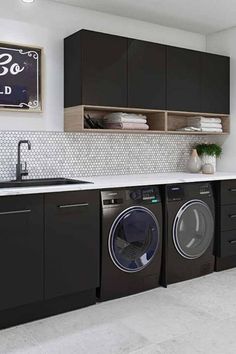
{"x":178,"y":120}
{"x":74,"y":119}
{"x":159,"y":121}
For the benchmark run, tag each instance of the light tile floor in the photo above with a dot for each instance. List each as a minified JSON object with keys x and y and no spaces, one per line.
{"x":197,"y":316}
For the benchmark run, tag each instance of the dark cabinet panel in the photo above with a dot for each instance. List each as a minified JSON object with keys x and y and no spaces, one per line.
{"x":72,"y":71}
{"x":104,"y":69}
{"x":228,"y":217}
{"x":71,"y":242}
{"x":228,"y":192}
{"x":146,"y":75}
{"x":21,"y":250}
{"x":215,"y":83}
{"x":183,"y":79}
{"x":228,"y":243}
{"x":95,"y":69}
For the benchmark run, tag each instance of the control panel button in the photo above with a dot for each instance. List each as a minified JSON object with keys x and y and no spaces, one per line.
{"x":135,"y":195}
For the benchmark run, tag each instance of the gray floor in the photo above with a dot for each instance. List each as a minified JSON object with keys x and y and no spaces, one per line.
{"x":197,"y":316}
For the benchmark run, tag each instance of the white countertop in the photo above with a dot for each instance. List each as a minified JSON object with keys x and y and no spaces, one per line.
{"x":107,"y":182}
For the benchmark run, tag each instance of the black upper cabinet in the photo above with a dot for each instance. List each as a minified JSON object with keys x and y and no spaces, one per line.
{"x":71,"y":242}
{"x":108,"y":70}
{"x":72,"y":71}
{"x":21,"y":250}
{"x":95,"y":69}
{"x":215,"y":83}
{"x":183,"y":79}
{"x":146,"y":75}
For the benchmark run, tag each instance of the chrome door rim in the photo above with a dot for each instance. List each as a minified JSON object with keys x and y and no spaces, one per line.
{"x":113,"y":226}
{"x":176,"y":221}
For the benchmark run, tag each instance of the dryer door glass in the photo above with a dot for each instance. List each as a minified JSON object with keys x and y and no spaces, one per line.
{"x":193,"y":229}
{"x":134,"y":239}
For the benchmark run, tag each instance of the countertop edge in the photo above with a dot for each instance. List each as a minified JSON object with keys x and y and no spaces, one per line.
{"x":108,"y":182}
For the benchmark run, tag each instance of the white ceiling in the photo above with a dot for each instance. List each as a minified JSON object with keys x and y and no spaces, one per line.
{"x":202,"y":16}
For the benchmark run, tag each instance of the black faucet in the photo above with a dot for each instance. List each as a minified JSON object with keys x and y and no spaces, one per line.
{"x":20,"y":171}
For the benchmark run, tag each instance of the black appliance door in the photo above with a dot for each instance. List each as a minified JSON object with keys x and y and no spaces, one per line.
{"x":193,"y":229}
{"x":134,"y":239}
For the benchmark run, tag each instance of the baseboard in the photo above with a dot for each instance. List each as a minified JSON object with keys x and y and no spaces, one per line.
{"x":225,"y":263}
{"x":36,"y":311}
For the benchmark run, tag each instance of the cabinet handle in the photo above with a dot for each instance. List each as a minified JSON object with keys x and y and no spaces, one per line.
{"x":232,"y":242}
{"x":232,"y":189}
{"x":233,"y":216}
{"x":15,"y":212}
{"x":67,"y":206}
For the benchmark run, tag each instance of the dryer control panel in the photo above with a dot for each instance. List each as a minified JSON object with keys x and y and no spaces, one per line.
{"x":178,"y":192}
{"x":175,"y":192}
{"x":205,"y":189}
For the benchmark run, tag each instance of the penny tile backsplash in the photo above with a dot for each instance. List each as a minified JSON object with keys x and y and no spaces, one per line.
{"x":56,"y":154}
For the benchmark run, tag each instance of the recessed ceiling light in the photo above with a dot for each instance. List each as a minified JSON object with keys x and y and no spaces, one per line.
{"x":28,"y":0}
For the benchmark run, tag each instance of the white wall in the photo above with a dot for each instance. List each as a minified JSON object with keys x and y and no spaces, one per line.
{"x":45,"y":24}
{"x":225,"y":43}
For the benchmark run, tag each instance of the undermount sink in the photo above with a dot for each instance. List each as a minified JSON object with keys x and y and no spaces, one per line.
{"x":40,"y":182}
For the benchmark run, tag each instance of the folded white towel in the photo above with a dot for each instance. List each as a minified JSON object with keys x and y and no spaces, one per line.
{"x":120,"y":117}
{"x":202,"y":119}
{"x":206,"y":125}
{"x":218,"y":130}
{"x":128,"y":126}
{"x":189,"y":129}
{"x":125,"y":120}
{"x":210,"y":125}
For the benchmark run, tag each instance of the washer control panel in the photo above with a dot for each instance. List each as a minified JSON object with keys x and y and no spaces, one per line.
{"x":119,"y":198}
{"x":145,"y":194}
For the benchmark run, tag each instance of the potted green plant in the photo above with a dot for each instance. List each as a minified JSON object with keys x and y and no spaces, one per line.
{"x":209,"y":153}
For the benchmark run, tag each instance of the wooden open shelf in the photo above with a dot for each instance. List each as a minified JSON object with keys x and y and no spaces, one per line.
{"x":177,"y":120}
{"x":159,"y":121}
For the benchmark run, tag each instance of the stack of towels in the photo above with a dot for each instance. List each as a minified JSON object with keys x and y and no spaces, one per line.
{"x":120,"y":120}
{"x":204,"y":124}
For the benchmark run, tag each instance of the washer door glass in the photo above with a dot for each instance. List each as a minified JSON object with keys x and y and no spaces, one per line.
{"x":134,"y":239}
{"x":193,"y":229}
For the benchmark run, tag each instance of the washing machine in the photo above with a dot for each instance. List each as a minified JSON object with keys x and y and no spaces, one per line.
{"x":131,"y":245}
{"x":189,"y":235}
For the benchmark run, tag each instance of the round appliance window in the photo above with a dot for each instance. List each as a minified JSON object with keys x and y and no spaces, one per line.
{"x":134,"y":239}
{"x":193,"y":229}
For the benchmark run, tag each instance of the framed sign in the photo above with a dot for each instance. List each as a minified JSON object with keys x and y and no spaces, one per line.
{"x":20,"y":78}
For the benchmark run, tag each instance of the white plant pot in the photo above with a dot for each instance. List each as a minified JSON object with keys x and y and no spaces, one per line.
{"x":209,"y":159}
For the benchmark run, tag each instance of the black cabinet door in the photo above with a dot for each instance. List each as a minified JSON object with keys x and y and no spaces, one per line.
{"x":183,"y":80}
{"x":104,"y":69}
{"x":146,"y":75}
{"x":21,"y":250}
{"x":215,"y":83}
{"x":71,"y":242}
{"x":72,"y":70}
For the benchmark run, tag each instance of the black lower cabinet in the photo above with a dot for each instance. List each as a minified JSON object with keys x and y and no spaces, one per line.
{"x":71,"y":243}
{"x":49,"y":254}
{"x":21,"y":250}
{"x":225,"y":225}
